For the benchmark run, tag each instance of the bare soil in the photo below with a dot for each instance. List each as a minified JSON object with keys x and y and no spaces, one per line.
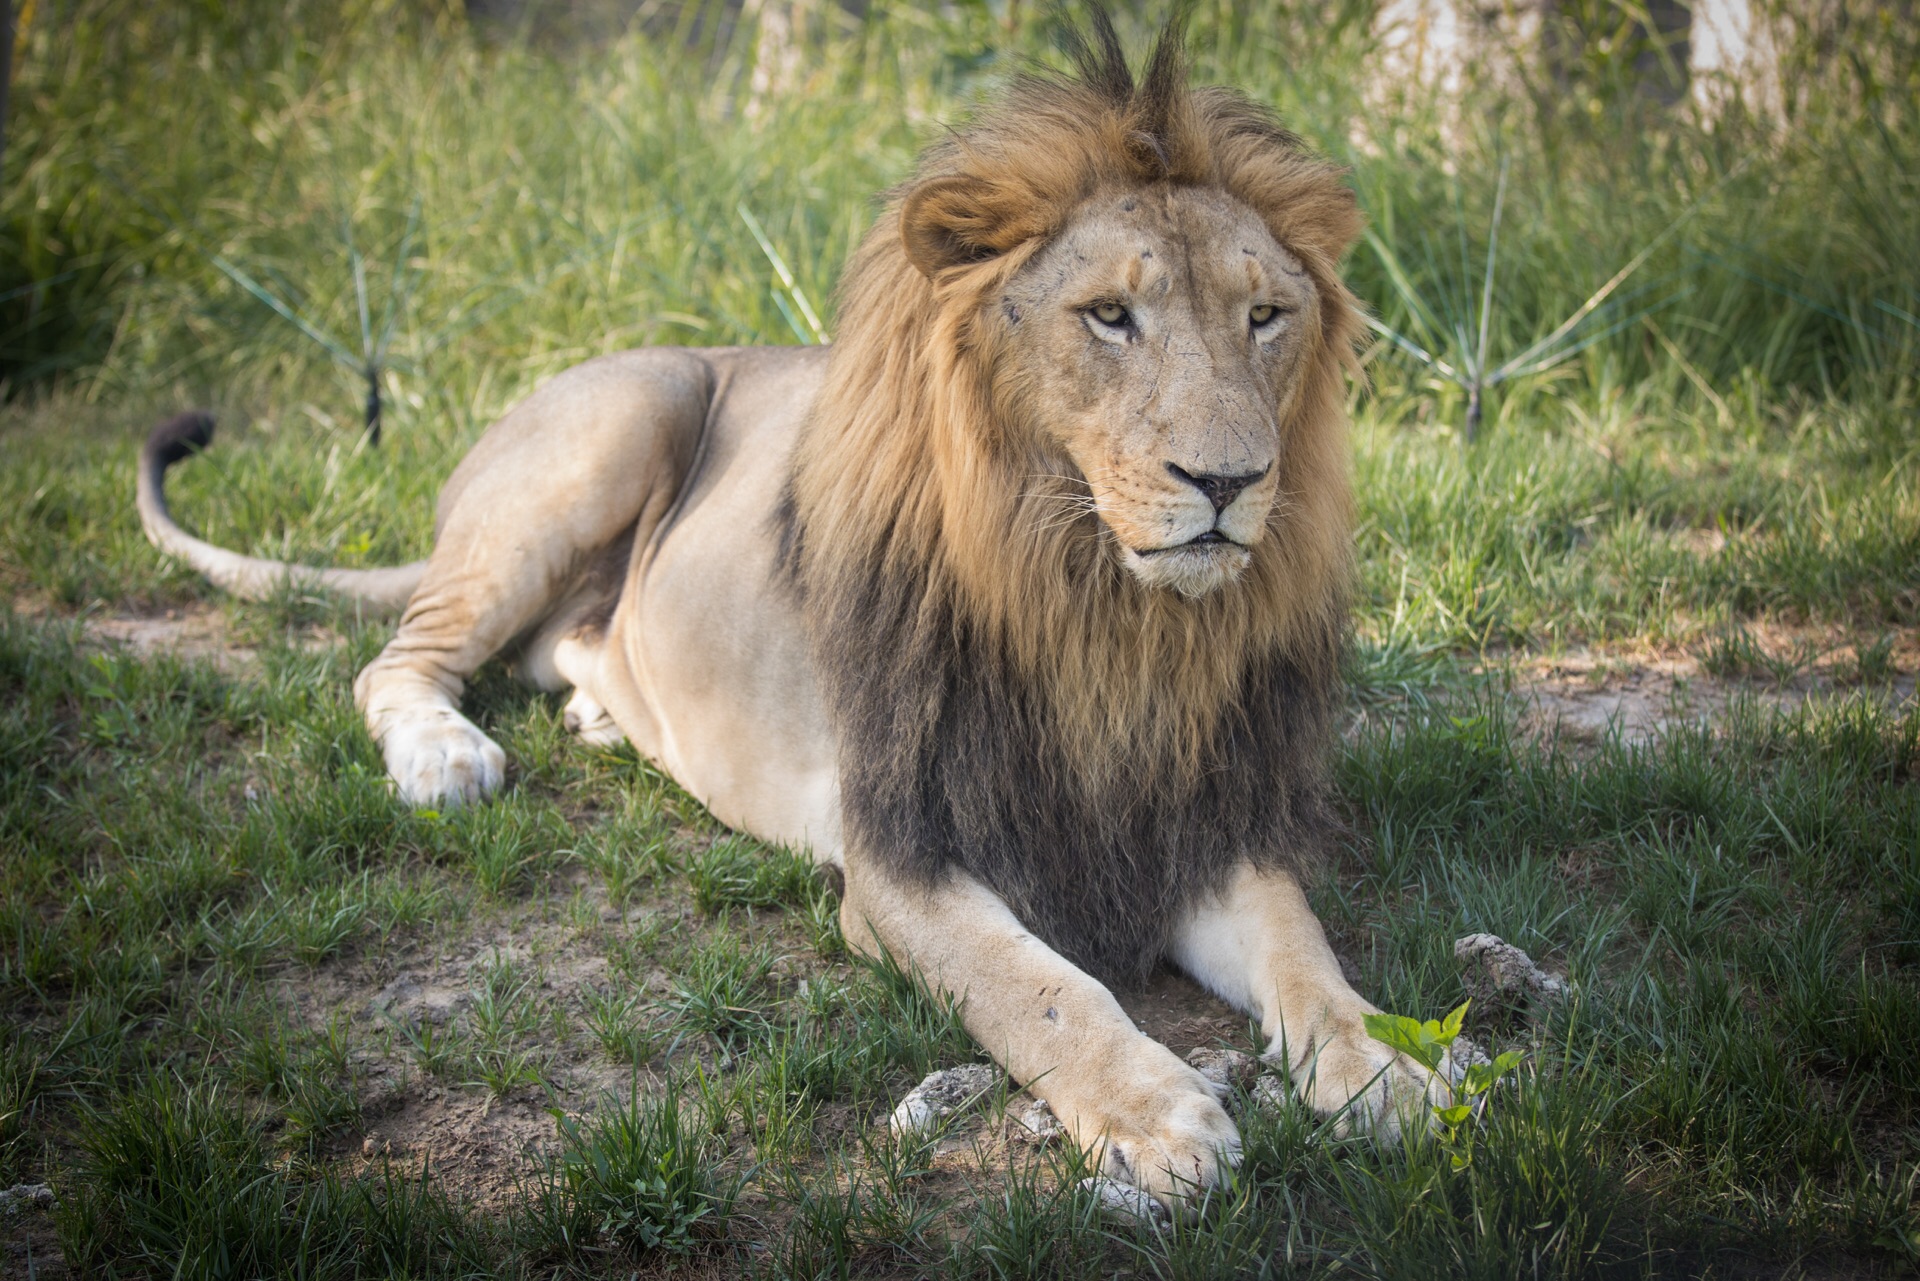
{"x":191,"y":633}
{"x":482,"y":1147}
{"x":1641,"y":692}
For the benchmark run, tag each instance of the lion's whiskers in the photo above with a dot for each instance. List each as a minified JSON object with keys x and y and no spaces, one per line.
{"x":1069,"y":508}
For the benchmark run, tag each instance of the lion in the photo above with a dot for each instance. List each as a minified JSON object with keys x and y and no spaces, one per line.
{"x":1021,"y":606}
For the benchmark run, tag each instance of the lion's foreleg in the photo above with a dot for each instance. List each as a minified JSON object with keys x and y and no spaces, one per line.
{"x":1260,"y":947}
{"x":1054,"y":1028}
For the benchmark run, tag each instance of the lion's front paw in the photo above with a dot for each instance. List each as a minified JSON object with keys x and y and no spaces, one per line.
{"x":1167,"y":1135}
{"x":1177,"y":1155}
{"x":442,"y":760}
{"x":1366,"y":1084}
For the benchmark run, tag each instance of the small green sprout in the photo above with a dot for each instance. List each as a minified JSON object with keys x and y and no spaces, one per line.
{"x":1428,"y":1044}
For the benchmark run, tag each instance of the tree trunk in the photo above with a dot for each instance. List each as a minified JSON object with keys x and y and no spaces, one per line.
{"x":6,"y":75}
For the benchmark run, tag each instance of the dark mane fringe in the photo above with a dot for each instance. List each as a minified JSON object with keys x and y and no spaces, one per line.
{"x":1008,"y":700}
{"x":946,"y":765}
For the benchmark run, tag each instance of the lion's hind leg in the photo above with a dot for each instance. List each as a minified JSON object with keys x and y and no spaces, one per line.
{"x":576,"y":657}
{"x":565,"y":653}
{"x":575,"y":473}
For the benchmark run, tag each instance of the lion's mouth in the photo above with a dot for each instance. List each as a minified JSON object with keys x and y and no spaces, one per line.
{"x":1205,"y":542}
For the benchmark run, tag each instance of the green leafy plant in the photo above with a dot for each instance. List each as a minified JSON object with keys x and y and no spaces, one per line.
{"x":438,"y":1050}
{"x":1872,"y":664}
{"x":618,"y":1023}
{"x":721,"y":992}
{"x":1732,"y":652}
{"x":1429,"y":1044}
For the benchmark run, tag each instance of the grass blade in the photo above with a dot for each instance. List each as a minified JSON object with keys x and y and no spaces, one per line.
{"x":285,"y":312}
{"x":785,"y":274}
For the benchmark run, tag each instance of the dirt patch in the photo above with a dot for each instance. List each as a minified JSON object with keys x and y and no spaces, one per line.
{"x":1639,"y":693}
{"x":481,"y":1148}
{"x":533,"y":972}
{"x":29,"y":1246}
{"x":1183,"y":1016}
{"x":191,"y":633}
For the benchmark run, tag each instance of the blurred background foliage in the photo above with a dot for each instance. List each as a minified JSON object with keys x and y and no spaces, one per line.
{"x":567,"y":179}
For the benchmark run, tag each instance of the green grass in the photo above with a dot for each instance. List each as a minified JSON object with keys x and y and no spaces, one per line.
{"x":205,"y":882}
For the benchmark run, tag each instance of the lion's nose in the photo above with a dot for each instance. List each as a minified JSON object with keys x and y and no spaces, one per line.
{"x":1220,"y":490}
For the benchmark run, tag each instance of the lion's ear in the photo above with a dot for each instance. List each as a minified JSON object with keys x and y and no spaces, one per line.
{"x":948,"y":222}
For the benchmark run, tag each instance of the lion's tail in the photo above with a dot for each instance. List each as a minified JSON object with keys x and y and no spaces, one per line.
{"x":248,"y":577}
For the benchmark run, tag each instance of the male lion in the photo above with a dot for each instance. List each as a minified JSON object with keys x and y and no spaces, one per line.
{"x":1022,"y":605}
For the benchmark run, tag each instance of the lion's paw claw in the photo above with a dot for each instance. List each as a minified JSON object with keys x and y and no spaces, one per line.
{"x":1124,"y":1201}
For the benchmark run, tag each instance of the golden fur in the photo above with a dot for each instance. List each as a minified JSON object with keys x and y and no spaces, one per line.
{"x":914,"y":460}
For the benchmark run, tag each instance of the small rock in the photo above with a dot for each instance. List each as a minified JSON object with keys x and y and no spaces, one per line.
{"x":1036,"y":1123}
{"x":26,"y":1196}
{"x":407,"y":1000}
{"x":373,"y":1145}
{"x":1498,"y":974}
{"x":1225,"y":1070}
{"x":941,"y":1094}
{"x":1269,"y":1092}
{"x":1125,"y":1201}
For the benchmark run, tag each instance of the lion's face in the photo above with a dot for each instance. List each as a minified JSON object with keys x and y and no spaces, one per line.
{"x":1153,"y":348}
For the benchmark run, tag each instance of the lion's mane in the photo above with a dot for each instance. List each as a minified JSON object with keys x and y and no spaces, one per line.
{"x":1008,"y":699}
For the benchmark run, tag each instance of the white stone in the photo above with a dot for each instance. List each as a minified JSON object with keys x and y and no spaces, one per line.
{"x":1036,"y":1123}
{"x":1498,"y":973}
{"x":941,"y":1094}
{"x":1461,"y":1055}
{"x":1225,"y":1070}
{"x":22,"y":1196}
{"x":1270,"y":1092}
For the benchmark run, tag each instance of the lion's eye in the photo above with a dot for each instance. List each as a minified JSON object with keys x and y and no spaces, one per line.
{"x":1263,"y":315}
{"x":1111,"y":314}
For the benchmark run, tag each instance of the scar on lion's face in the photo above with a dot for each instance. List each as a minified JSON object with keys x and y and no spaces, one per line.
{"x":1154,"y":346}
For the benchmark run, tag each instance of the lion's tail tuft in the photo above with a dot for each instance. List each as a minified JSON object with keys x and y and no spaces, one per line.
{"x":248,"y":577}
{"x":176,"y":438}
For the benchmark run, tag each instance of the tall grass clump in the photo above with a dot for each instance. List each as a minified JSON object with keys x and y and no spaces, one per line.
{"x":643,"y":1179}
{"x":475,"y":210}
